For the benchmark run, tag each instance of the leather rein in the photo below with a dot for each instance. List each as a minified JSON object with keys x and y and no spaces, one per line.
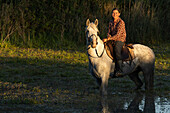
{"x":95,"y":48}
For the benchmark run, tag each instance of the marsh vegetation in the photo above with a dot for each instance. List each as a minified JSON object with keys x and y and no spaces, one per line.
{"x":61,"y":23}
{"x":43,"y":61}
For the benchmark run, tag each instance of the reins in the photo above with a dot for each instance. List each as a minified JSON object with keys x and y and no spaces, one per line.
{"x":98,"y":56}
{"x":91,"y":36}
{"x":96,"y":53}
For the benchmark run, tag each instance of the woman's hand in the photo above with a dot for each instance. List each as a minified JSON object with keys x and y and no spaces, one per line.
{"x":105,"y":40}
{"x":108,"y":38}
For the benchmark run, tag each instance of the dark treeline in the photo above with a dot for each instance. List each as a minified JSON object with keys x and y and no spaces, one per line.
{"x":56,"y":23}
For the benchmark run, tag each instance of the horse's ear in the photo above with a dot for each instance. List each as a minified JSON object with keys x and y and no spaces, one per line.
{"x":87,"y":22}
{"x":96,"y":22}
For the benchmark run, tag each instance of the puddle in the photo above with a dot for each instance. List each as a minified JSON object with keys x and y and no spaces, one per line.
{"x":141,"y":103}
{"x":156,"y":107}
{"x":118,"y":102}
{"x":162,"y":105}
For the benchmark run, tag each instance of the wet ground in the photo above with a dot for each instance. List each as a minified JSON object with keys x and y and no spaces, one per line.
{"x":117,"y":103}
{"x":38,"y":81}
{"x":76,"y":97}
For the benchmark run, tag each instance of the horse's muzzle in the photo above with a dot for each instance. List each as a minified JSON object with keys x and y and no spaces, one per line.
{"x":94,"y":46}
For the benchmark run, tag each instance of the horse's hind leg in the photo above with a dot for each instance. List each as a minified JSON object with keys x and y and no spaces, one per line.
{"x":149,"y":78}
{"x":135,"y":78}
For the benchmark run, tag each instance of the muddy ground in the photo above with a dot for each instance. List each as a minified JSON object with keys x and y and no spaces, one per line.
{"x":49,"y":85}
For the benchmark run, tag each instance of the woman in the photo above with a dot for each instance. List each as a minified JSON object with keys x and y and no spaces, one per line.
{"x":117,"y":33}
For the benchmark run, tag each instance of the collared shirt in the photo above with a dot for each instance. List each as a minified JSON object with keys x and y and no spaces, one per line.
{"x":117,"y":30}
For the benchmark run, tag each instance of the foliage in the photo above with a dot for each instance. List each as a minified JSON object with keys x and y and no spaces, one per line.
{"x":58,"y":23}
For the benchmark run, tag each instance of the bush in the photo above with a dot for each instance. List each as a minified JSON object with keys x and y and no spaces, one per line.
{"x":56,"y":23}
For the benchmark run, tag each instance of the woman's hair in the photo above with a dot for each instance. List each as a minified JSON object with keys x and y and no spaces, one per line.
{"x":115,"y":9}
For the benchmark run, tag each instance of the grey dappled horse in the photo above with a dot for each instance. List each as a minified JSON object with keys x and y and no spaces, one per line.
{"x":101,"y":66}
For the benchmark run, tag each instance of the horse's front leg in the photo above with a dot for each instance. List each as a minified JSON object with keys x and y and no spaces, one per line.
{"x":104,"y":84}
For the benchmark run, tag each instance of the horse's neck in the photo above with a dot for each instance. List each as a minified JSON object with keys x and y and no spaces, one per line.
{"x":98,"y":50}
{"x":100,"y":46}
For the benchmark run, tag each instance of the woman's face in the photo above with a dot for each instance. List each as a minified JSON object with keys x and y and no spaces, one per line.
{"x":115,"y":14}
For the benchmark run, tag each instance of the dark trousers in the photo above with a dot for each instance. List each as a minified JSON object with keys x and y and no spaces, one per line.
{"x":118,"y":49}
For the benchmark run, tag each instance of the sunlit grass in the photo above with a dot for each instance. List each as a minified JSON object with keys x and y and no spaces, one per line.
{"x":162,"y":62}
{"x":36,"y":76}
{"x":33,"y":56}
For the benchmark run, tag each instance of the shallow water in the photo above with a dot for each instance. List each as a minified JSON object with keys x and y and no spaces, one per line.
{"x":140,"y":103}
{"x":121,"y":103}
{"x":134,"y":103}
{"x":161,"y":105}
{"x":93,"y":103}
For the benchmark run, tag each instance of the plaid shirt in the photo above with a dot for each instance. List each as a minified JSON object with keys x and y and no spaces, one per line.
{"x":117,"y":30}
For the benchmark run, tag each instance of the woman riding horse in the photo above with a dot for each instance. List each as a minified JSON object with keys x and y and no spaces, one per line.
{"x":117,"y":33}
{"x":101,"y":65}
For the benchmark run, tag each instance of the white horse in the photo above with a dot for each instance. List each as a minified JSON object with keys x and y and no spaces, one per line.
{"x":101,"y":65}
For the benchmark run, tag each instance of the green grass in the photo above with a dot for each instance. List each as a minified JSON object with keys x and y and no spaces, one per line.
{"x":60,"y":79}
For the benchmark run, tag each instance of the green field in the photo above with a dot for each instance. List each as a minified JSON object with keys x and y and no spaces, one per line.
{"x":35,"y":80}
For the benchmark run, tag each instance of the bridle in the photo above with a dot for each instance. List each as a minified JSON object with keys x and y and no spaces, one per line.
{"x":89,"y":41}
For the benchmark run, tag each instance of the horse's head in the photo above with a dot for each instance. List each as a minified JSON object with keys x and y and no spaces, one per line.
{"x":91,"y":33}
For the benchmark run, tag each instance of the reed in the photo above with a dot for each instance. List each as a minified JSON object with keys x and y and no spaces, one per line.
{"x":55,"y":24}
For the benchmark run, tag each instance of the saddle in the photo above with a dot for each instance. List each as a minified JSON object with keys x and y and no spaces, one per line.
{"x":127,"y":52}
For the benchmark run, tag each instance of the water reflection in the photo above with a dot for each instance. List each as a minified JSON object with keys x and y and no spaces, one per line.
{"x":141,"y":103}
